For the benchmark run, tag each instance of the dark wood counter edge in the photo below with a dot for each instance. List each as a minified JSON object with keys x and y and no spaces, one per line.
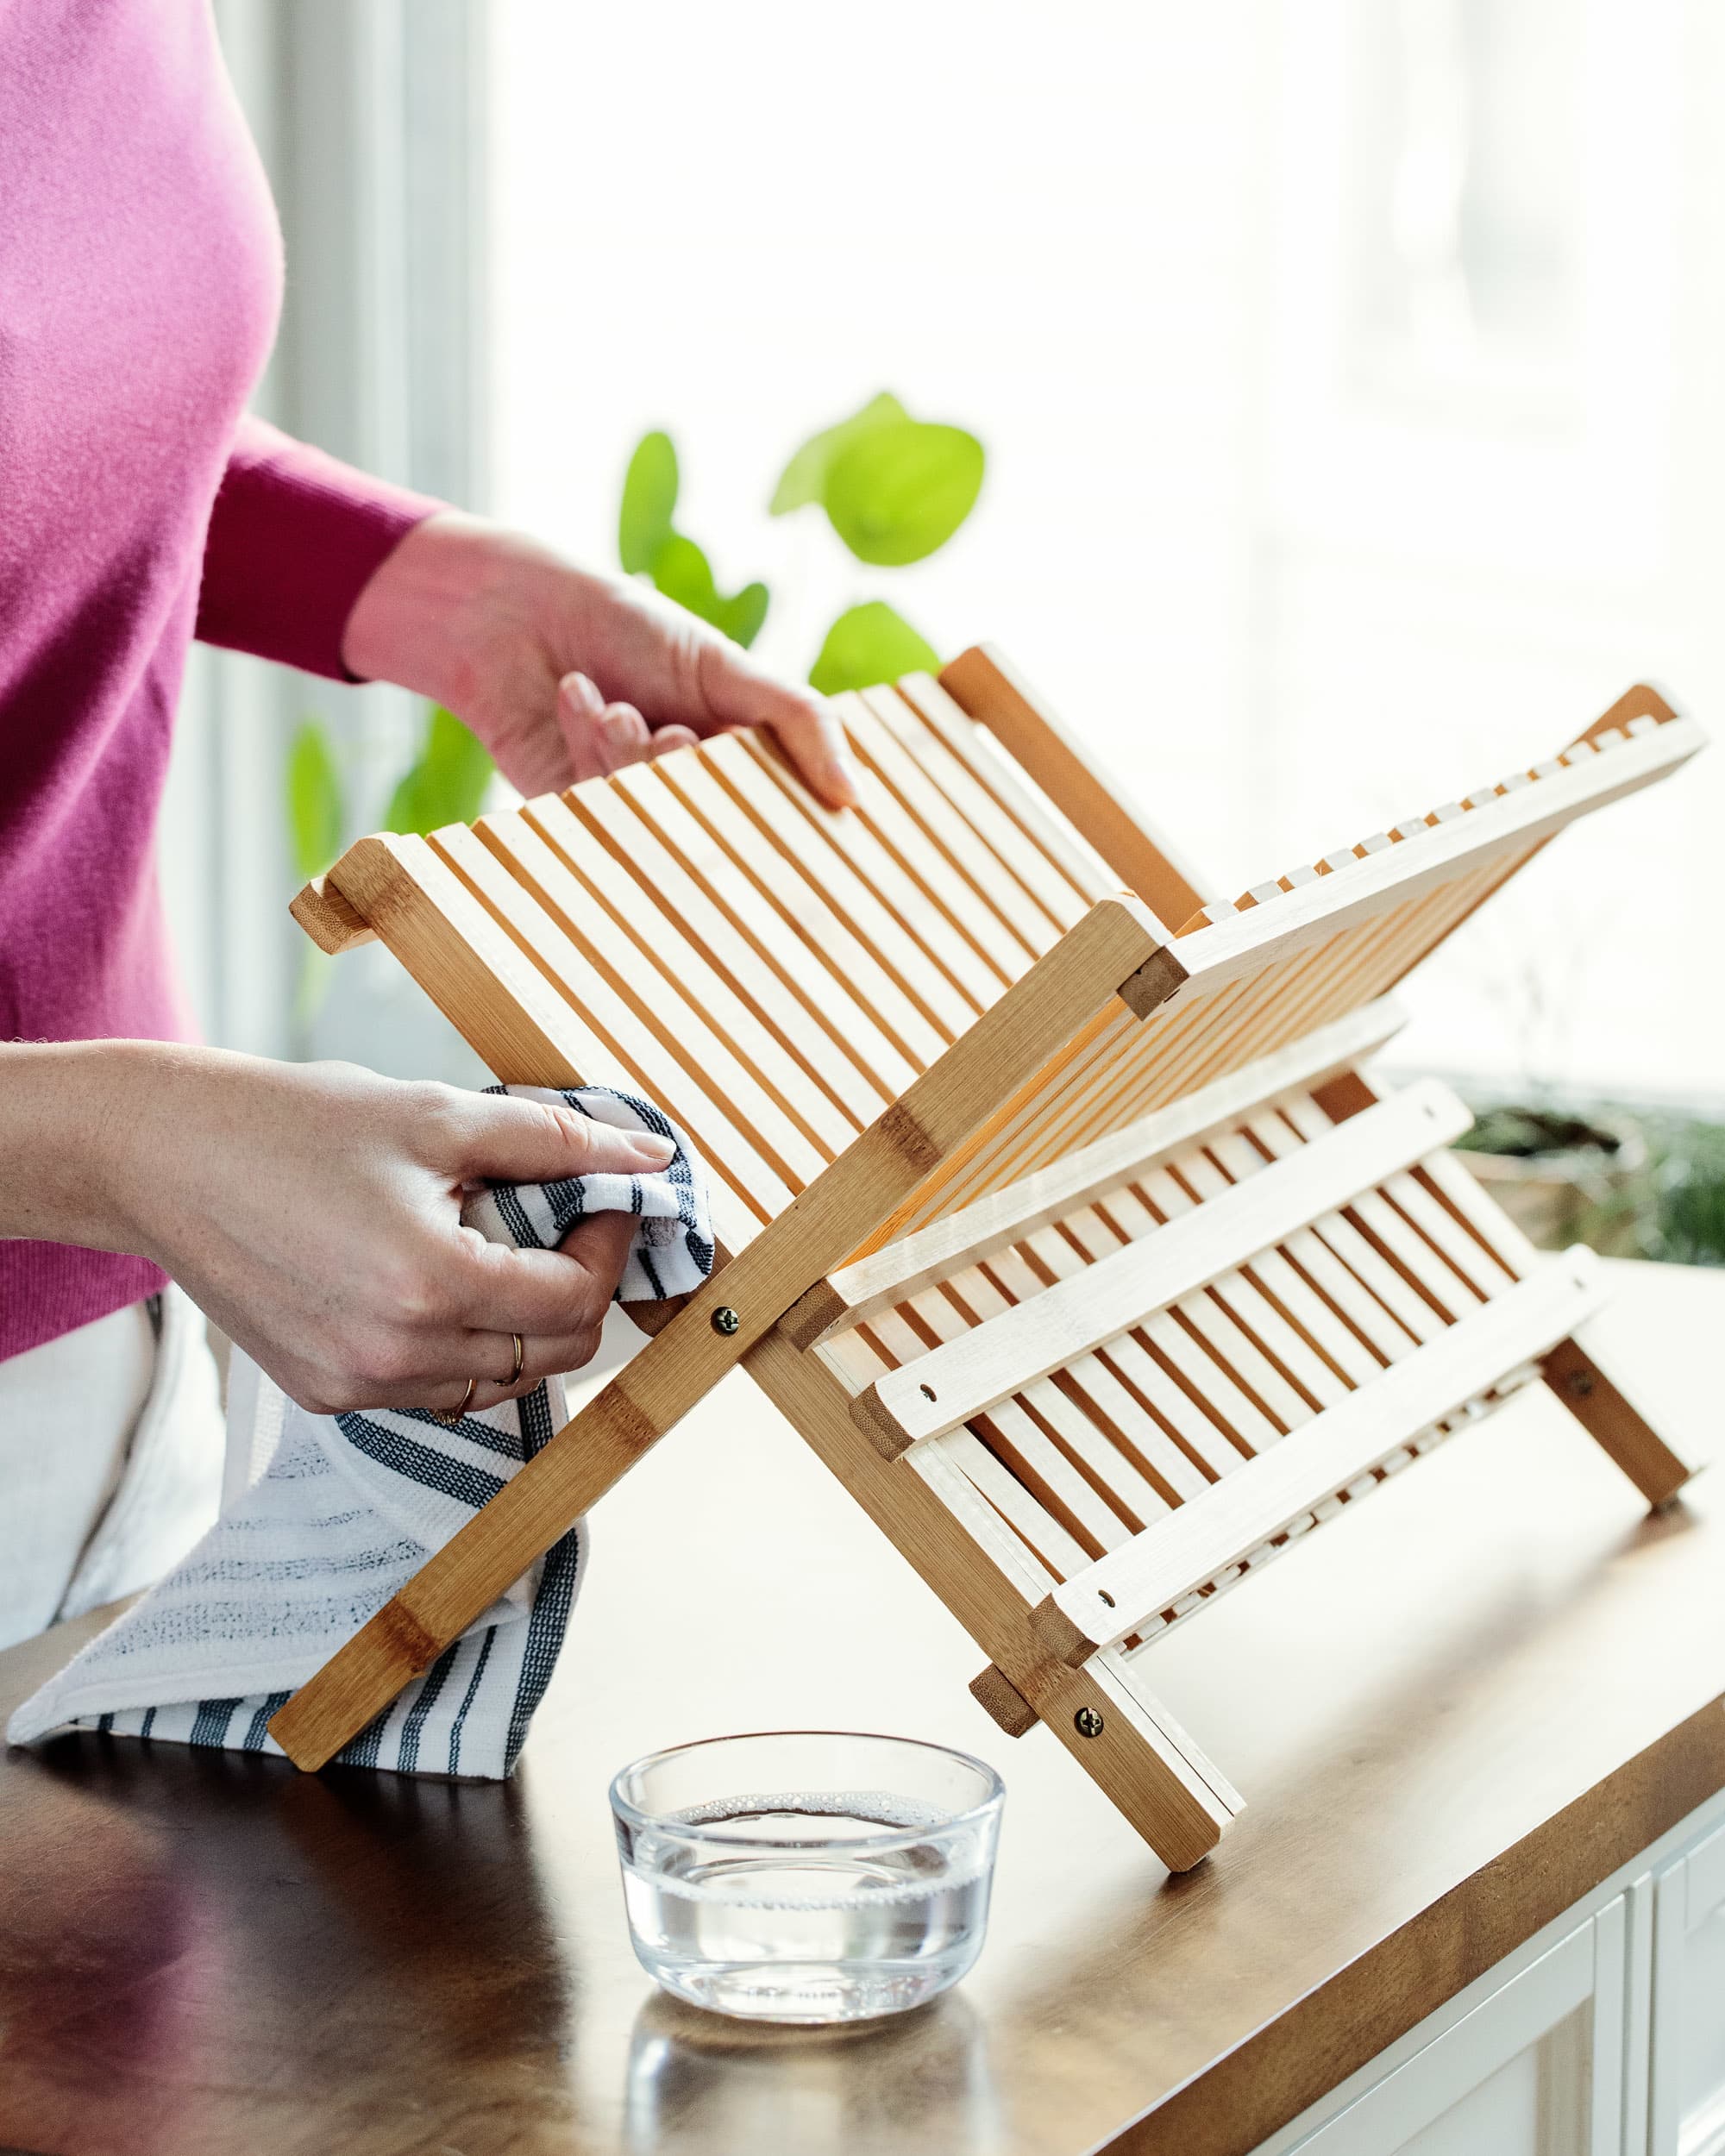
{"x":1254,"y":2090}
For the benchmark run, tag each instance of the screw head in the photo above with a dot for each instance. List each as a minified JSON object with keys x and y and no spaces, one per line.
{"x":1087,"y":1722}
{"x":725,"y":1320}
{"x":1581,"y":1383}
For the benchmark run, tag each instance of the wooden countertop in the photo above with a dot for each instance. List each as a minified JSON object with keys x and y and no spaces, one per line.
{"x":1453,"y":1714}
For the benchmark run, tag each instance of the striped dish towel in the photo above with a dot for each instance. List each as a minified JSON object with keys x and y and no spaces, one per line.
{"x":329,"y":1515}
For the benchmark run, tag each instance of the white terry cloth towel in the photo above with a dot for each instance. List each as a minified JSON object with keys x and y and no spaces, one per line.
{"x":350,"y":1506}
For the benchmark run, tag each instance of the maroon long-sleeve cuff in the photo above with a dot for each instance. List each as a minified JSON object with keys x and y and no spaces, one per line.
{"x":293,"y":539}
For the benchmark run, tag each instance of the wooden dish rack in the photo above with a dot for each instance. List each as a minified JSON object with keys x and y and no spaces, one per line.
{"x":1082,"y":1249}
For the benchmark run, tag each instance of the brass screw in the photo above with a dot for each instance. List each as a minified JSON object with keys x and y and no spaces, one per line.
{"x":725,"y":1320}
{"x":1087,"y":1722}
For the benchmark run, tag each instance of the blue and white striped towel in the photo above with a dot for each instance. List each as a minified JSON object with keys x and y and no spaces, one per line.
{"x":349,"y":1506}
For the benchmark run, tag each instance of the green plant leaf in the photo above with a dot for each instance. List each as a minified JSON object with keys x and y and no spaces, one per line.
{"x":683,"y":572}
{"x":896,"y":493}
{"x":650,"y":499}
{"x":445,"y":783}
{"x":804,"y":479}
{"x":741,"y":616}
{"x":315,"y":812}
{"x":869,"y":644}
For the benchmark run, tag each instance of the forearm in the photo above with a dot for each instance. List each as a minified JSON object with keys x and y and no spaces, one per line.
{"x":69,"y":1112}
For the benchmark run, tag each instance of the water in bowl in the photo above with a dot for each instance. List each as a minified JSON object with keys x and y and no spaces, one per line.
{"x":813,"y":1925}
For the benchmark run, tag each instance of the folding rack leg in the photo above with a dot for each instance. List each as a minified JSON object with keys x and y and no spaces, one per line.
{"x":1576,"y":1373}
{"x":1151,"y":1771}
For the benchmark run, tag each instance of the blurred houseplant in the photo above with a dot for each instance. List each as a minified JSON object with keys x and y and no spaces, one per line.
{"x":894,"y":490}
{"x":1631,"y":1182}
{"x":1564,"y":1177}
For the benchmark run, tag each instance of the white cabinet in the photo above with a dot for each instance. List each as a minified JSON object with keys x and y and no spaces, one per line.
{"x":1686,"y":2079}
{"x":1604,"y":2036}
{"x":1533,"y":2069}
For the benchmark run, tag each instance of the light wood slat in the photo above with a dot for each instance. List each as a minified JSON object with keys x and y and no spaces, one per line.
{"x":976,"y":1167}
{"x":1086,"y":1238}
{"x":1280,"y":1003}
{"x":920,"y":849}
{"x":1274,"y":1132}
{"x":1103,"y":1386}
{"x":1125,"y":1213}
{"x":1059,"y":898}
{"x":1041,"y":1426}
{"x":1455,"y":1185}
{"x":667,"y":974}
{"x":1071,"y":1508}
{"x":1106,"y":1094}
{"x":1042,"y":1123}
{"x":862,"y":879}
{"x":1427,"y":1269}
{"x":781,"y":914}
{"x":327,"y":918}
{"x":817,"y":888}
{"x":1188,"y":1548}
{"x":1092,"y":1088}
{"x":1244,"y":1296}
{"x":1186,"y":1044}
{"x":1286,"y":1287}
{"x":1138,"y":1463}
{"x":1120,"y":1413}
{"x":1242,"y":943}
{"x":982,"y":1293}
{"x":1026,"y":1134}
{"x":1277,"y":1003}
{"x":981,"y":683}
{"x":966,"y":1236}
{"x":993,"y":878}
{"x":1373,"y":957}
{"x":953,"y":1383}
{"x":1425,"y":1266}
{"x":991,"y":766}
{"x":745,"y":1138}
{"x":598,"y":814}
{"x":1382,"y":1333}
{"x":1476,"y":1266}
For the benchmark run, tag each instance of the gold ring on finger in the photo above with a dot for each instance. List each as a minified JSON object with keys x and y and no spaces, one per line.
{"x":453,"y":1415}
{"x":520,"y":1355}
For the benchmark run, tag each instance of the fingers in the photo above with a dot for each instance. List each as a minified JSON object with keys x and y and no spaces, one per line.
{"x":555,"y":1299}
{"x":554,"y":1293}
{"x":506,"y":1139}
{"x":602,"y":737}
{"x":740,"y":693}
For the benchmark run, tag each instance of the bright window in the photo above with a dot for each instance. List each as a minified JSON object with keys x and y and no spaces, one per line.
{"x":1348,"y":373}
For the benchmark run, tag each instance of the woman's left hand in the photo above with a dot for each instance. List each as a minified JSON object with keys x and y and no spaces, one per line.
{"x":565,"y":675}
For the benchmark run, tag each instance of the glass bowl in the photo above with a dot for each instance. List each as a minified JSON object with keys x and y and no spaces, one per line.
{"x":807,"y":1875}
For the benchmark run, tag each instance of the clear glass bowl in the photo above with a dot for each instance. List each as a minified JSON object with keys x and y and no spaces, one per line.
{"x":808,"y":1875}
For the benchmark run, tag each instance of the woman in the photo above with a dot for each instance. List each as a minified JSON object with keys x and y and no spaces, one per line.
{"x":311,"y":1212}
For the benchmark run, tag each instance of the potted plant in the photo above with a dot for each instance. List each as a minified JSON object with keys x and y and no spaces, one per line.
{"x":1565,"y":1177}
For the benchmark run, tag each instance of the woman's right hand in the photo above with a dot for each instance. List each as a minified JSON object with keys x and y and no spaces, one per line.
{"x":313,"y":1211}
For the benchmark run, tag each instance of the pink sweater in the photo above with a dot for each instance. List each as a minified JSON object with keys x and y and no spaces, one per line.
{"x":140,"y":280}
